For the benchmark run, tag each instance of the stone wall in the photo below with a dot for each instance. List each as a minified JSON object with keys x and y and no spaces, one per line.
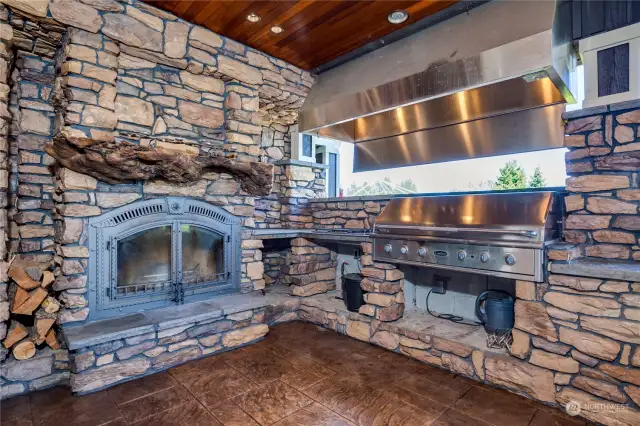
{"x":603,"y":163}
{"x":130,"y":72}
{"x":584,"y":326}
{"x":296,"y":184}
{"x":349,"y":213}
{"x":6,"y":59}
{"x":127,"y":72}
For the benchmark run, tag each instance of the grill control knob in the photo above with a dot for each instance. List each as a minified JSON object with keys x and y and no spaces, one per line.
{"x":387,"y":248}
{"x":422,"y":251}
{"x":484,"y":257}
{"x":404,"y":249}
{"x":462,"y":255}
{"x":510,"y":259}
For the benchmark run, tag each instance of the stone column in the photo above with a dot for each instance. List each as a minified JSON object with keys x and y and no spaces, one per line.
{"x":38,"y":46}
{"x":384,"y":284}
{"x":300,"y":181}
{"x":252,"y":266}
{"x":603,"y":164}
{"x":310,"y":268}
{"x":6,"y":59}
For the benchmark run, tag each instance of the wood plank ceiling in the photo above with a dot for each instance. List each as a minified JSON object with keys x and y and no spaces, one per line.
{"x":315,"y":32}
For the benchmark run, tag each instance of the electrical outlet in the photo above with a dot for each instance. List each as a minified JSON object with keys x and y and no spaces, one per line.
{"x":440,"y":284}
{"x":439,"y":287}
{"x":356,"y":254}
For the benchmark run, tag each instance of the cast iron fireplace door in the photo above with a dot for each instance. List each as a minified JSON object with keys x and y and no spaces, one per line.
{"x":160,"y":252}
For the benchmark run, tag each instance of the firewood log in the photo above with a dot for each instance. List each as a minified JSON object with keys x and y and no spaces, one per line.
{"x":18,"y":274}
{"x":47,"y":279}
{"x":36,"y":297}
{"x":17,"y":296}
{"x":24,"y":350}
{"x":16,"y":332}
{"x":50,"y":305}
{"x":51,"y":340}
{"x":43,"y":323}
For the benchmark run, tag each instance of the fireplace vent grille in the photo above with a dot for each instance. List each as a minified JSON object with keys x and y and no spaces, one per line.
{"x":204,"y":211}
{"x":138,"y":212}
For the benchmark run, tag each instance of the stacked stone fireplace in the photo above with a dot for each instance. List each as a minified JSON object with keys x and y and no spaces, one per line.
{"x":133,"y":138}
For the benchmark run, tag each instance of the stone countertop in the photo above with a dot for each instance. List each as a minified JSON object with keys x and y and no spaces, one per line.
{"x":599,"y":268}
{"x":314,"y":234}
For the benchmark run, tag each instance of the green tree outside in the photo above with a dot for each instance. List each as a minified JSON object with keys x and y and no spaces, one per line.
{"x":513,"y":176}
{"x":537,"y":180}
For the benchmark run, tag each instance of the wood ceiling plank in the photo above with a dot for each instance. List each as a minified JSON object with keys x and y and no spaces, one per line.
{"x":205,"y":13}
{"x":291,"y":21}
{"x":193,"y":10}
{"x":332,"y":33}
{"x":241,"y":28}
{"x":218,"y":21}
{"x":374,"y":17}
{"x":182,"y":7}
{"x":326,"y":54}
{"x":326,"y":19}
{"x":315,"y":31}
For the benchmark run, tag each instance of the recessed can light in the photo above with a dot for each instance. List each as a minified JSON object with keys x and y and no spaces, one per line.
{"x":398,"y":16}
{"x":277,"y":29}
{"x":252,"y":17}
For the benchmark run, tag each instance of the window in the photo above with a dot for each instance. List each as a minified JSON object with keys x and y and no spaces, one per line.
{"x":506,"y":172}
{"x":307,"y":145}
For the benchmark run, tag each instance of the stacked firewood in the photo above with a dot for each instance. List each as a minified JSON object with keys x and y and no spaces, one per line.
{"x":34,"y":309}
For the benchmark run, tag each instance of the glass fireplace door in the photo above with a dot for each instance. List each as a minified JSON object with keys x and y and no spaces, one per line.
{"x":160,"y":252}
{"x":144,"y":263}
{"x":168,"y":262}
{"x":202,"y":257}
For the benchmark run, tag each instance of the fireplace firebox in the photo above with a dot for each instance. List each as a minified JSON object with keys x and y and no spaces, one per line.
{"x":159,"y":252}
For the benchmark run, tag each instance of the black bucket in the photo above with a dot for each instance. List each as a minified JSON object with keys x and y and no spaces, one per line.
{"x":352,"y":292}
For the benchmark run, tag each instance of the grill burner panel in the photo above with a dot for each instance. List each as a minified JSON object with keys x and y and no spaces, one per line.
{"x":494,"y":234}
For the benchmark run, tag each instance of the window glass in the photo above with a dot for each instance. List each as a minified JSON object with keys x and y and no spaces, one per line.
{"x":144,"y":261}
{"x":202,"y":255}
{"x":506,"y":172}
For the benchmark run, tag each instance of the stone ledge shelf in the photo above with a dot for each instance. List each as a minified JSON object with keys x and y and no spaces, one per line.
{"x":336,"y":235}
{"x":108,"y":330}
{"x":417,"y":324}
{"x":606,"y":269}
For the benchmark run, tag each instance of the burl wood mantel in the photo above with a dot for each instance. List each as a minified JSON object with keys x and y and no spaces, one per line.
{"x":121,"y":161}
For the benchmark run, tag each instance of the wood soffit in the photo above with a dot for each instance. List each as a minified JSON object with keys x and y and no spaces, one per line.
{"x":315,"y":32}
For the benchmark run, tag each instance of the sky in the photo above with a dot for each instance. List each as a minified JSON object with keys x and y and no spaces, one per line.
{"x":461,"y":175}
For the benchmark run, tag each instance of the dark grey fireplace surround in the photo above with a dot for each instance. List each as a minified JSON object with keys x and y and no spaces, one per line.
{"x":161,"y":252}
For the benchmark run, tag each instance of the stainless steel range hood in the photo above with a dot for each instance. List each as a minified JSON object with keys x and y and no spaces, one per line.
{"x":491,"y":82}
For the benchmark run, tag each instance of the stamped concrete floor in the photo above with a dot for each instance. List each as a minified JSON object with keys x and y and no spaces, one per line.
{"x":298,"y":375}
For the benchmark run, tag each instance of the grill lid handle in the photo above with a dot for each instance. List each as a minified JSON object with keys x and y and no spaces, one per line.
{"x":526,"y":233}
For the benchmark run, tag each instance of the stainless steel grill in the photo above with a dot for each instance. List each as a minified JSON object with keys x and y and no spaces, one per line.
{"x":500,"y":234}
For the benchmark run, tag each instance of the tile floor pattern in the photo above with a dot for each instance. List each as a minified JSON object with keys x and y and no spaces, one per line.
{"x":298,"y":375}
